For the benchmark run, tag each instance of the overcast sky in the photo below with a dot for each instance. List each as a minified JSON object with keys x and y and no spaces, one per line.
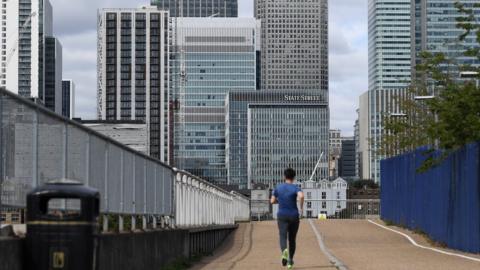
{"x":75,"y":26}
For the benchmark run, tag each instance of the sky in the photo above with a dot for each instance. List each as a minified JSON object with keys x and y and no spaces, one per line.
{"x":75,"y":25}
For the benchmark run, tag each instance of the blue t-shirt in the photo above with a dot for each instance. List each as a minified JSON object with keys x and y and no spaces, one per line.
{"x":286,"y":195}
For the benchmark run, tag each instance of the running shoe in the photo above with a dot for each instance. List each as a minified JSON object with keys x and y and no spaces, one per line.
{"x":290,"y":265}
{"x":285,"y":257}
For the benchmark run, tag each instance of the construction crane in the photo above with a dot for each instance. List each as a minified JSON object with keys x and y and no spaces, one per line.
{"x":15,"y":45}
{"x":316,"y":167}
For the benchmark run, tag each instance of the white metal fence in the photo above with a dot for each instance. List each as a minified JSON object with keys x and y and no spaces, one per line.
{"x":37,"y":146}
{"x":199,"y":203}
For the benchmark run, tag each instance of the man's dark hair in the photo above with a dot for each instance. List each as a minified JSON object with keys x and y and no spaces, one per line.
{"x":289,"y":174}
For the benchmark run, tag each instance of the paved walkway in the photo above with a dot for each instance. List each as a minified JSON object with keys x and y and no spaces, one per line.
{"x":255,"y":246}
{"x":357,"y":244}
{"x":361,"y":245}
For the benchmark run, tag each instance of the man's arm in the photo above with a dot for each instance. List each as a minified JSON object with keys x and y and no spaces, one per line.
{"x":301,"y":199}
{"x":273,"y":200}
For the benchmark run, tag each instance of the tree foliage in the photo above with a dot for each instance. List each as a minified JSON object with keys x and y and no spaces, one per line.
{"x":451,"y":119}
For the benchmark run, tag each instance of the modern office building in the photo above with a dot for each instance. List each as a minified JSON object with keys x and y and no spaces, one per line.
{"x":294,"y":44}
{"x":133,"y":67}
{"x":214,"y":56}
{"x":390,"y":70}
{"x":399,"y":30}
{"x":347,"y":167}
{"x":53,"y":75}
{"x":68,"y":98}
{"x":375,"y":105}
{"x":268,"y":131}
{"x":435,"y":30}
{"x":199,"y":8}
{"x":26,"y":27}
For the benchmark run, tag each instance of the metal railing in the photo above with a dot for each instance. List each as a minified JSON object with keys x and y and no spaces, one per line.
{"x":200,"y":203}
{"x":339,"y":209}
{"x":37,"y":146}
{"x":342,"y":209}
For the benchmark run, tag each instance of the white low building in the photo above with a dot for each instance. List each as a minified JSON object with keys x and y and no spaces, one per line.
{"x":323,"y":197}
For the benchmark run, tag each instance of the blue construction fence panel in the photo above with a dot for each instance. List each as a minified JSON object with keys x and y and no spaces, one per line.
{"x":443,"y":202}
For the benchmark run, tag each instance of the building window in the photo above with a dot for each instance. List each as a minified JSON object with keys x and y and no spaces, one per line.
{"x":324,"y":205}
{"x":309,"y":195}
{"x":324,"y":195}
{"x":309,"y":205}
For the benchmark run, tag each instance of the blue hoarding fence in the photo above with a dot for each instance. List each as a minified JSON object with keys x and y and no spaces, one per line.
{"x":443,"y":202}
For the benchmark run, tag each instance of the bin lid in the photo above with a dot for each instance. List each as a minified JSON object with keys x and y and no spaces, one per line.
{"x":64,"y":188}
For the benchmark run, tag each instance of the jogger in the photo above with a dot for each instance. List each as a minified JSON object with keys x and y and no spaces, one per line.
{"x":288,"y":216}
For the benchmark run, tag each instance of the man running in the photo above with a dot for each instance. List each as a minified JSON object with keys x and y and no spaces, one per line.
{"x":288,"y":216}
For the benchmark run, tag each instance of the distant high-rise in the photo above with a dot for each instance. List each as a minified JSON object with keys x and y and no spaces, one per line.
{"x":214,"y":56}
{"x":68,"y":98}
{"x":26,"y":24}
{"x":199,"y":8}
{"x":294,"y":47}
{"x":390,"y":64}
{"x":268,"y":131}
{"x":399,"y":30}
{"x":347,"y":167}
{"x":435,"y":30}
{"x":133,"y":66}
{"x":53,"y":75}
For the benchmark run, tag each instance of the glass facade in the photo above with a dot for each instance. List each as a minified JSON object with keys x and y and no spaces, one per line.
{"x":68,"y":98}
{"x":214,"y":56}
{"x":390,"y":67}
{"x":436,"y":30}
{"x":199,"y":8}
{"x":53,"y":74}
{"x":268,"y":131}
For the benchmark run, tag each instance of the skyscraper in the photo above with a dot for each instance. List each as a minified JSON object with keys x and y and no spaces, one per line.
{"x":399,"y":30}
{"x":68,"y":98}
{"x":294,"y":44}
{"x":133,"y":67}
{"x":390,"y":70}
{"x":435,"y":30}
{"x":26,"y":24}
{"x":53,"y":75}
{"x":199,"y":8}
{"x":213,"y":57}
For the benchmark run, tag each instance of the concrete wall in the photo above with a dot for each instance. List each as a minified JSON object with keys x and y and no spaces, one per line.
{"x":11,"y":254}
{"x":149,"y":250}
{"x":135,"y":251}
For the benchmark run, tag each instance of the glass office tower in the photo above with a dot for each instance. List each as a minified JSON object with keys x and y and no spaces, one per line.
{"x":390,"y":64}
{"x":436,"y":30}
{"x":199,"y":8}
{"x":213,"y":56}
{"x":268,"y":131}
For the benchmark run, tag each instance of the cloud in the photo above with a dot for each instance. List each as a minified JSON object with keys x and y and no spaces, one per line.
{"x":75,"y":23}
{"x":348,"y":60}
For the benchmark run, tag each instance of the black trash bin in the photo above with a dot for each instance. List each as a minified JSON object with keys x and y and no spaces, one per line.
{"x":62,"y":227}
